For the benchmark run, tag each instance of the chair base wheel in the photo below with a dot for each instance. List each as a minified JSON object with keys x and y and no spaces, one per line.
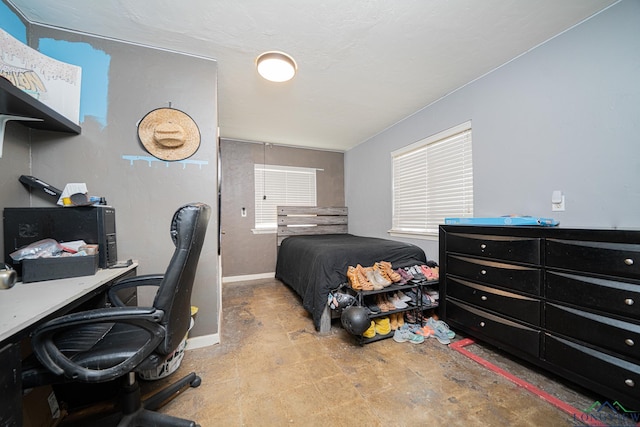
{"x":196,"y":382}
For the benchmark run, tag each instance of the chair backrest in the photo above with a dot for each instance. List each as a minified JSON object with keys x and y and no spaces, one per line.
{"x":188,"y":229}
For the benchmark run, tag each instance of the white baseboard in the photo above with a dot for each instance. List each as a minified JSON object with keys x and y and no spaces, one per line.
{"x":248,"y":277}
{"x":203,"y":341}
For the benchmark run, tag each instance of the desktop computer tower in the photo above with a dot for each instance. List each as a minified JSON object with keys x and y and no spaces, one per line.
{"x":93,"y":224}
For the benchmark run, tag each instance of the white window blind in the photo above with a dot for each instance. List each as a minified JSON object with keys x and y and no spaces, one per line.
{"x":281,"y":186}
{"x":433,"y":180}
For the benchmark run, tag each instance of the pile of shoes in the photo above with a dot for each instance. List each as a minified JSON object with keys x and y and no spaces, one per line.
{"x":425,"y":297}
{"x":376,"y":277}
{"x":385,"y":325}
{"x":431,"y":327}
{"x":385,"y":302}
{"x":391,"y":308}
{"x":417,"y":274}
{"x":381,"y":275}
{"x":414,"y":330}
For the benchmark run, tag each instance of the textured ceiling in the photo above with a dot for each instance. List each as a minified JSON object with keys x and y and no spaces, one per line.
{"x":364,"y":65}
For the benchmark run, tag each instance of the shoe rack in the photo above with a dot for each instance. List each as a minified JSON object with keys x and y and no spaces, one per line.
{"x":363,"y":297}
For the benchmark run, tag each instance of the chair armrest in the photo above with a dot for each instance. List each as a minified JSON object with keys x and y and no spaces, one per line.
{"x":44,"y":344}
{"x":132,"y":282}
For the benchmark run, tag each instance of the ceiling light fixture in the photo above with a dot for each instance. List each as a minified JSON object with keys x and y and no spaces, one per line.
{"x":276,"y":66}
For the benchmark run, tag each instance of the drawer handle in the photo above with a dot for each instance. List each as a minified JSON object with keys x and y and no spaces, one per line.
{"x":483,"y":297}
{"x":483,"y":246}
{"x":630,"y":382}
{"x":483,"y":272}
{"x":482,"y":324}
{"x":629,"y":342}
{"x":629,"y":301}
{"x":628,"y":261}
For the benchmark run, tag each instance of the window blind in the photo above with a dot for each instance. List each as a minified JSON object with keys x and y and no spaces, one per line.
{"x":433,"y":180}
{"x":281,"y":186}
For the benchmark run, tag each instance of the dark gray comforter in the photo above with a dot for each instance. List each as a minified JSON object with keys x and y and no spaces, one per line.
{"x":314,"y":265}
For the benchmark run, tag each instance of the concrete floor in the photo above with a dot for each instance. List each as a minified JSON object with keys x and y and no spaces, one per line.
{"x":273,"y":369}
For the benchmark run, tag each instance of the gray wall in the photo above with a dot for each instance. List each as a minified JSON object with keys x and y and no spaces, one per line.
{"x":145,"y":194}
{"x":16,"y":155}
{"x":15,"y":161}
{"x":245,"y":253}
{"x":564,"y":116}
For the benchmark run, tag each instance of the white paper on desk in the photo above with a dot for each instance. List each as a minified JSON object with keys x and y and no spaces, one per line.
{"x":72,"y":188}
{"x":73,"y":246}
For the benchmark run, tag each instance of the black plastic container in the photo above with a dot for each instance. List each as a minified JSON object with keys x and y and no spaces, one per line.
{"x":39,"y":269}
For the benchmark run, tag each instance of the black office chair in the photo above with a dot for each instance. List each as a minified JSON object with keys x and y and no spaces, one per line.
{"x":101,"y":345}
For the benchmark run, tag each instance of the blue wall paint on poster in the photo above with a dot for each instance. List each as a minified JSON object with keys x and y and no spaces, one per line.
{"x":95,"y":74}
{"x":10,"y":22}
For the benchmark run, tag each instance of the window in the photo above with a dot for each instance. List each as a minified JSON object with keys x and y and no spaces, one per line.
{"x":281,"y":186}
{"x":432,"y":180}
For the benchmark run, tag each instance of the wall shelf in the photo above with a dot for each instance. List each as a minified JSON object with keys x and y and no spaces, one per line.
{"x":15,"y":102}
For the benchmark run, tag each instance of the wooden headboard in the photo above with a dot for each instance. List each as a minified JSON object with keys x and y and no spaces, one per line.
{"x":307,"y":220}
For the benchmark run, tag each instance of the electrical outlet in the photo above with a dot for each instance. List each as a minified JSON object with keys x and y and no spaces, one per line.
{"x":558,"y":206}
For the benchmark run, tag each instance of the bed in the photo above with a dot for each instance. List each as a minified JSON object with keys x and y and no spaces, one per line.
{"x":315,"y":251}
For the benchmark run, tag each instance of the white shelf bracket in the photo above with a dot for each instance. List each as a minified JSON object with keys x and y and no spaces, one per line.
{"x":4,"y":118}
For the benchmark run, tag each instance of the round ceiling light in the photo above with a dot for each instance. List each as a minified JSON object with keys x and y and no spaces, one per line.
{"x":276,"y":66}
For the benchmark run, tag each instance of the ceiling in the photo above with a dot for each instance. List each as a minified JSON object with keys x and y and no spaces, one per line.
{"x":363,"y":65}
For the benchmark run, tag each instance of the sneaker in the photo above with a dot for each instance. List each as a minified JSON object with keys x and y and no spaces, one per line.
{"x":403,"y":297}
{"x":371,"y":306}
{"x":413,"y":297}
{"x":434,"y":294}
{"x":428,"y":301}
{"x":397,"y":302}
{"x":403,"y":335}
{"x":431,"y":322}
{"x":413,"y":327}
{"x":440,"y":331}
{"x":429,"y":273}
{"x":406,"y":276}
{"x":425,"y":331}
{"x":416,"y":272}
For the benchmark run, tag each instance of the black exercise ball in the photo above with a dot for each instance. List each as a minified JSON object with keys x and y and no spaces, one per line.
{"x":355,"y":319}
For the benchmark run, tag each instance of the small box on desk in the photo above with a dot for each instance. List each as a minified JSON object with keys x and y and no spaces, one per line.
{"x":39,"y":269}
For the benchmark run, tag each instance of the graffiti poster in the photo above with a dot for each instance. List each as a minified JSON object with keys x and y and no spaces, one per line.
{"x":54,"y":83}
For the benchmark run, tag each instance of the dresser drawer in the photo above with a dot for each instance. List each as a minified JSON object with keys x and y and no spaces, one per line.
{"x":508,"y":248}
{"x":524,"y":279}
{"x":593,"y":365}
{"x":507,"y":303}
{"x":616,"y":259}
{"x":609,"y":296}
{"x":486,"y":325}
{"x":615,"y":335}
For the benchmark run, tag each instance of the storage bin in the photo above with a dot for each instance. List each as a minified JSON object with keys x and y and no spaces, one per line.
{"x":39,"y":269}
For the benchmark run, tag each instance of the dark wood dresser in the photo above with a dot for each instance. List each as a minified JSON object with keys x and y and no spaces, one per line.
{"x":567,"y":300}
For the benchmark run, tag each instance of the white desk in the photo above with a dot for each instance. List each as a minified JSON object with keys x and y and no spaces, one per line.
{"x":26,"y":304}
